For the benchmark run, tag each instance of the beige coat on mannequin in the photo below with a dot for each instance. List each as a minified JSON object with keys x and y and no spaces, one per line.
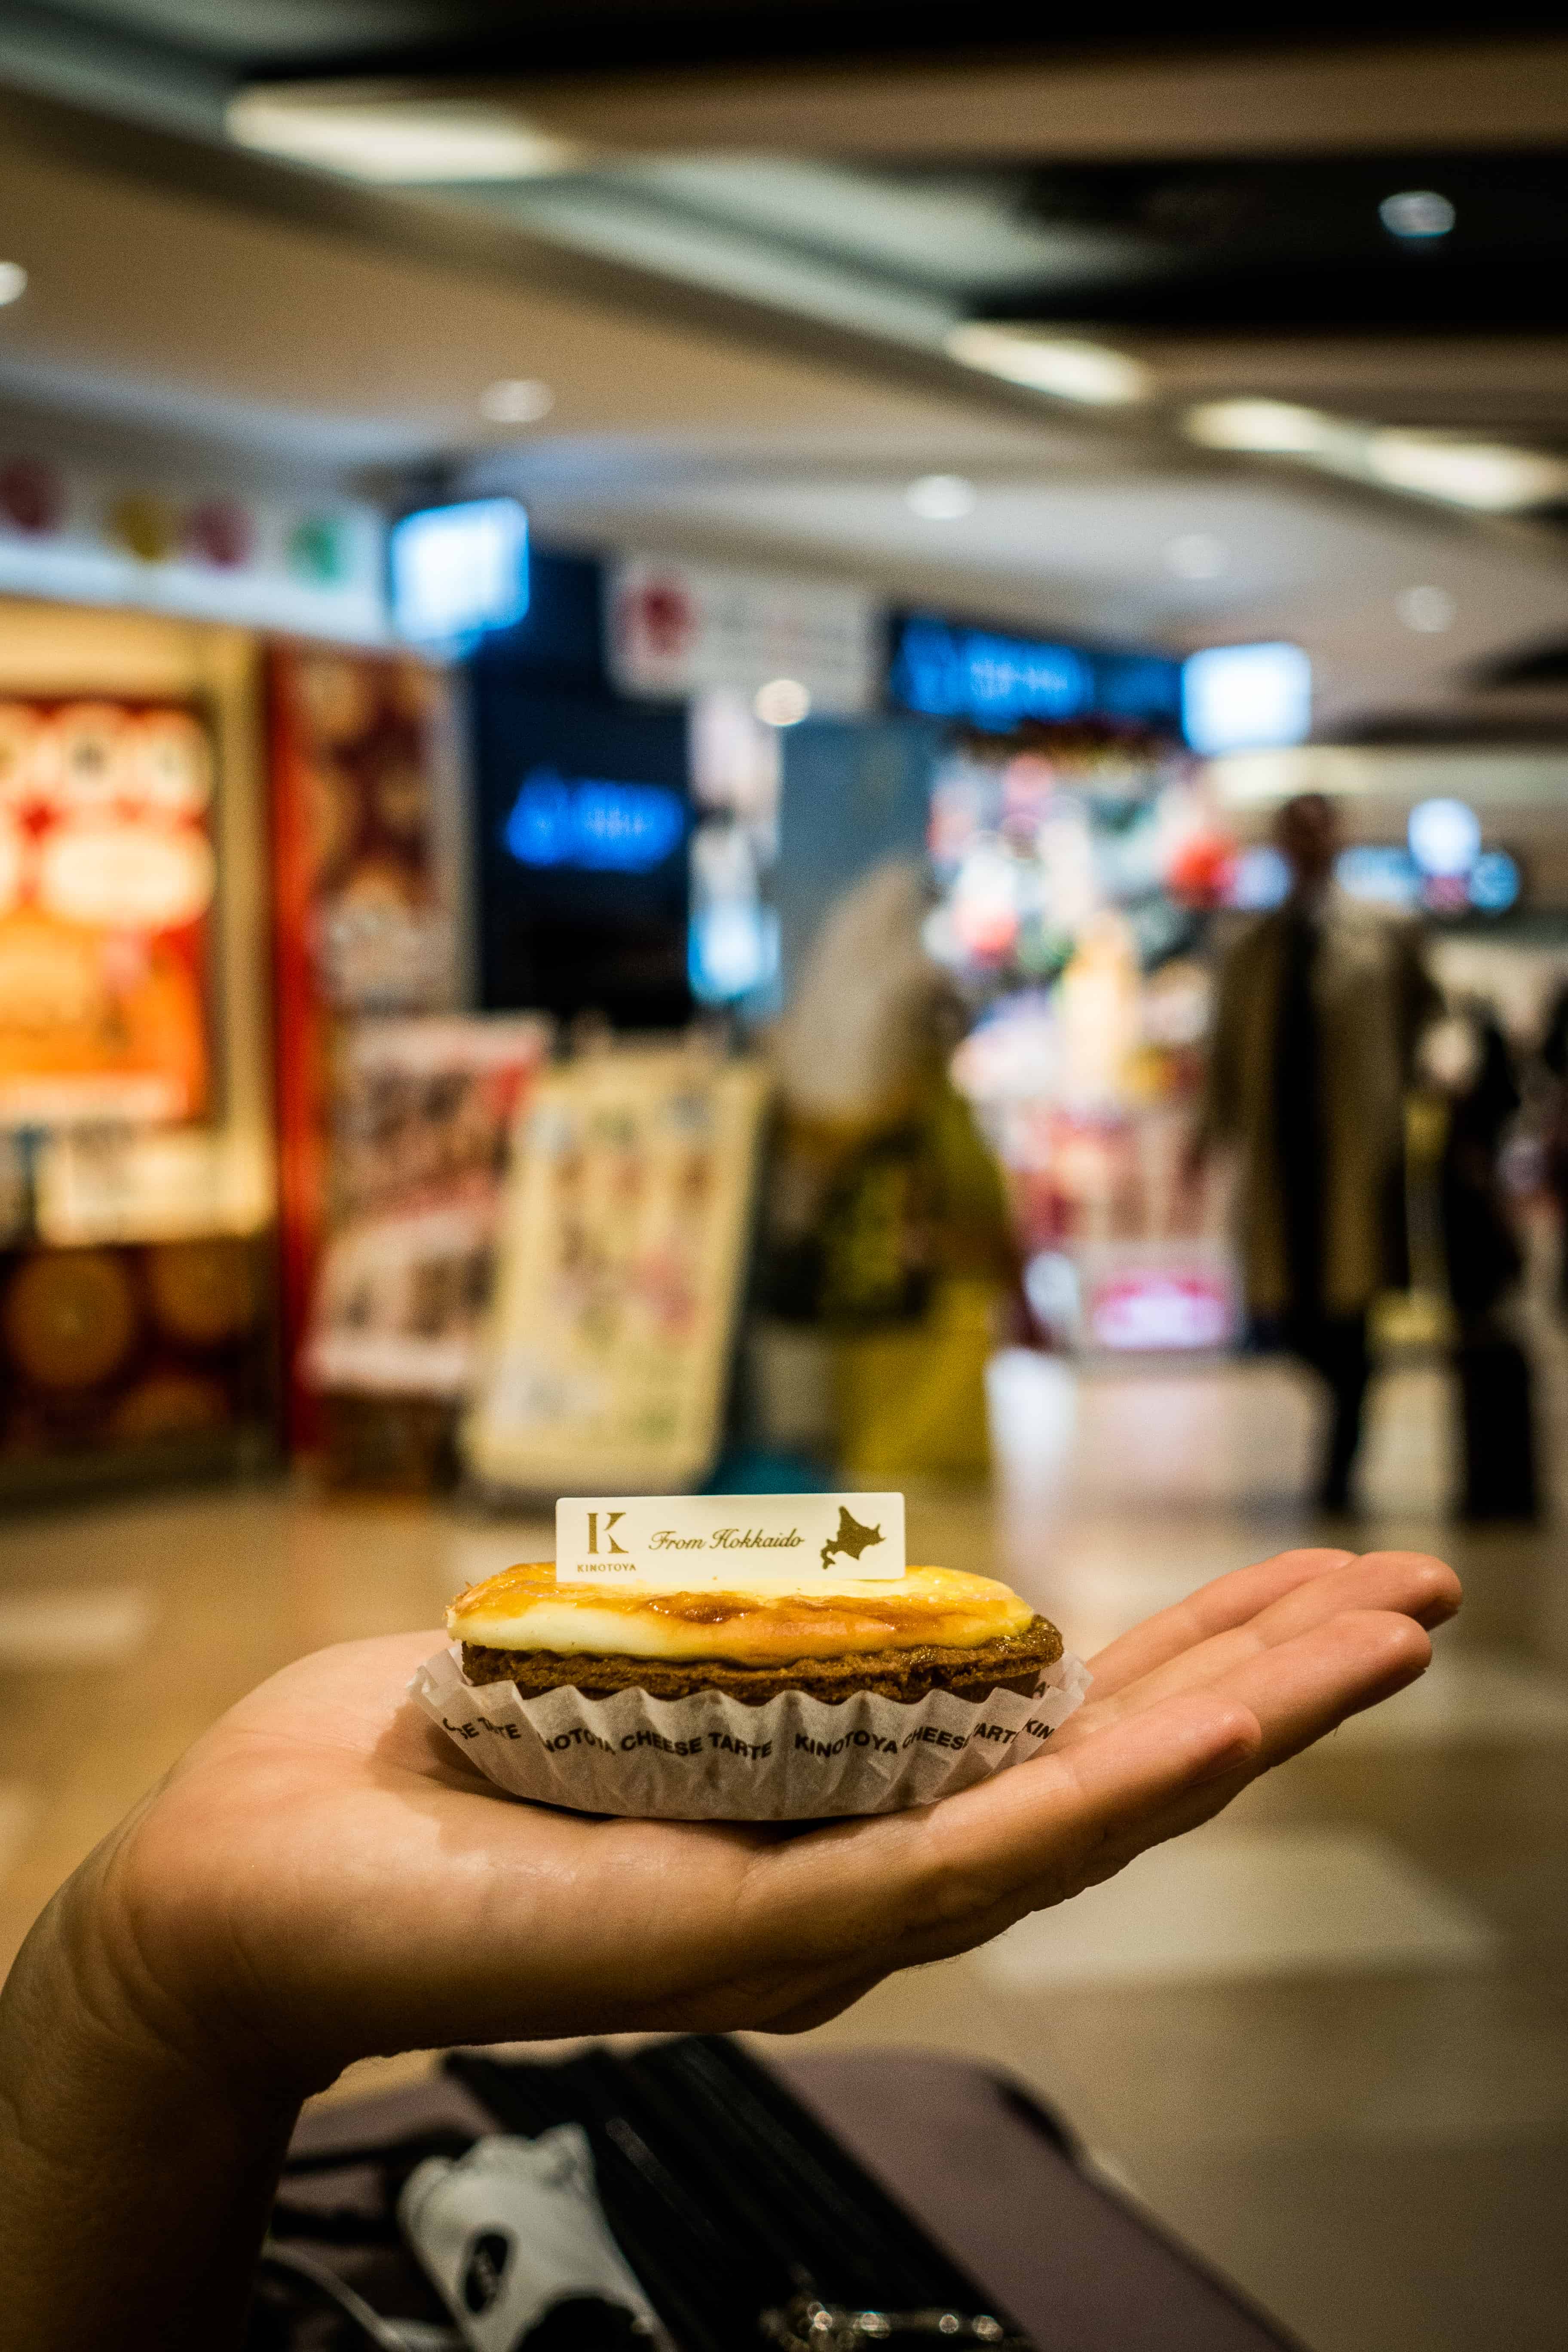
{"x":1373,"y":996}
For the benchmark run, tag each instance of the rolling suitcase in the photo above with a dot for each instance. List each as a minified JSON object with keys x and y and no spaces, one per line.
{"x":822,"y":2202}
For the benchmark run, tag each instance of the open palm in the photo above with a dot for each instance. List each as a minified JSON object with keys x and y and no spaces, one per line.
{"x":326,"y":1876}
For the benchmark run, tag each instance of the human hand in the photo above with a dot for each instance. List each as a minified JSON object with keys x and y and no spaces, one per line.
{"x":323,"y":1876}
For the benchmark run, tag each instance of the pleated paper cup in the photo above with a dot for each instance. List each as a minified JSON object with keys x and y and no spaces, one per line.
{"x":713,"y":1758}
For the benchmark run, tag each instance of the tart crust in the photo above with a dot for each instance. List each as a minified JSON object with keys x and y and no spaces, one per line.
{"x":1014,"y":1663}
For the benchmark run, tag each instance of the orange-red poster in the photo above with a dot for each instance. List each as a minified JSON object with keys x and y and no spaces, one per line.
{"x":363,"y":924}
{"x":106,"y":884}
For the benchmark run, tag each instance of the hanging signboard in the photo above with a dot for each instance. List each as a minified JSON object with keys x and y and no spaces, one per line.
{"x":677,"y":629}
{"x":91,"y":535}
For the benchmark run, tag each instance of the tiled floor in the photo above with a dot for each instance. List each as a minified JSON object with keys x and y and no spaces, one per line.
{"x":1245,"y":1903}
{"x":1326,"y":2040}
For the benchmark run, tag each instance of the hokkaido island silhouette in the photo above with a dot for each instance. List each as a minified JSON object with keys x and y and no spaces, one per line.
{"x":852,"y":1538}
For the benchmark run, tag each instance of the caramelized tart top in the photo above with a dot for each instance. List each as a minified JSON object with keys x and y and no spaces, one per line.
{"x":524,"y":1608}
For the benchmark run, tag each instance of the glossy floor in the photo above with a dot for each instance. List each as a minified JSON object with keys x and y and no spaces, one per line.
{"x":1325,"y":2040}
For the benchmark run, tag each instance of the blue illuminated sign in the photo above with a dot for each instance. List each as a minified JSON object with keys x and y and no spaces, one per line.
{"x":459,"y":570}
{"x":591,"y":821}
{"x":952,"y":673}
{"x":1494,"y":882}
{"x":995,"y":681}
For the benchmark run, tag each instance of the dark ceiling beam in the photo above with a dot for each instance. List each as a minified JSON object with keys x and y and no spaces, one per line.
{"x":1191,"y":98}
{"x":466,"y":239}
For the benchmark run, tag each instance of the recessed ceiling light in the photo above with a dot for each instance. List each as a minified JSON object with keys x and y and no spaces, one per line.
{"x":1416,"y":215}
{"x":1427,"y":610}
{"x":1269,"y":427}
{"x":783,"y":703}
{"x":1486,"y":474}
{"x":393,"y":139}
{"x":13,"y":281}
{"x":516,"y":400}
{"x":1063,"y":365}
{"x":940,"y":497}
{"x":1196,"y":555}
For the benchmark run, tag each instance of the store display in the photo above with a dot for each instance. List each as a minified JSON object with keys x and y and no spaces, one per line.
{"x":1078,"y":870}
{"x":736,"y":776}
{"x":130,"y":1354}
{"x":885,"y":1226}
{"x":419,"y":1141}
{"x":622,"y":1249}
{"x":580,"y":827}
{"x":107,"y":876}
{"x":363,"y":909}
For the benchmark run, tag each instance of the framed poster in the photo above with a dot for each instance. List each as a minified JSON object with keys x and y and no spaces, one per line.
{"x":107,"y":876}
{"x":621,"y":1258}
{"x":423,"y":1120}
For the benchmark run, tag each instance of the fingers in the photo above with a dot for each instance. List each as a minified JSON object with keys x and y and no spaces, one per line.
{"x":1213,"y":1609}
{"x":1301,"y":1688}
{"x":860,"y":1893}
{"x":1290,"y":1695}
{"x":1412,"y":1584}
{"x":1297,"y":1692}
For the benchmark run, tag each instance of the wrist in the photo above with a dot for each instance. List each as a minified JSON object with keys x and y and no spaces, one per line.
{"x":139,"y":2158}
{"x":83,"y":2011}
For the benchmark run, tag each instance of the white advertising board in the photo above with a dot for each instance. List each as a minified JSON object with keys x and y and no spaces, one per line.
{"x":677,"y":629}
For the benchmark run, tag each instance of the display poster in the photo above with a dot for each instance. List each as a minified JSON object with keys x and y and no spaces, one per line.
{"x":360,"y":753}
{"x":106,"y":875}
{"x":425,"y":1110}
{"x":622,"y":1253}
{"x":678,"y":629}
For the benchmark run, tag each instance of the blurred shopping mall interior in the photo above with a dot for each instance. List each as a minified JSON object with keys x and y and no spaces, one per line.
{"x":650,"y":659}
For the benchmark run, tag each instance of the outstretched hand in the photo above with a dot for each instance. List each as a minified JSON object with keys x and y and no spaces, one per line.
{"x":323,"y":1875}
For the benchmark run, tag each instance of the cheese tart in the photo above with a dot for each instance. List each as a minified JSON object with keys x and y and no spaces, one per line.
{"x":932,"y":1629}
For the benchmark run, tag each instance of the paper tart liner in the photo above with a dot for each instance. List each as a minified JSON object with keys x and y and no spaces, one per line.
{"x":713,"y":1758}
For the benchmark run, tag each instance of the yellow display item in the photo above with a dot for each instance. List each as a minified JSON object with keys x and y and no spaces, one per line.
{"x":911,"y":1396}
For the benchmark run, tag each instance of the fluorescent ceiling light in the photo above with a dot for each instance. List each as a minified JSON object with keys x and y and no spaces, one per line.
{"x":1269,"y":427}
{"x":1196,"y":555}
{"x":395,"y":140}
{"x":1415,"y":214}
{"x":1485,"y":474}
{"x":1427,"y":610}
{"x":940,"y":497}
{"x":516,"y":400}
{"x":1062,"y":365}
{"x":13,"y":281}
